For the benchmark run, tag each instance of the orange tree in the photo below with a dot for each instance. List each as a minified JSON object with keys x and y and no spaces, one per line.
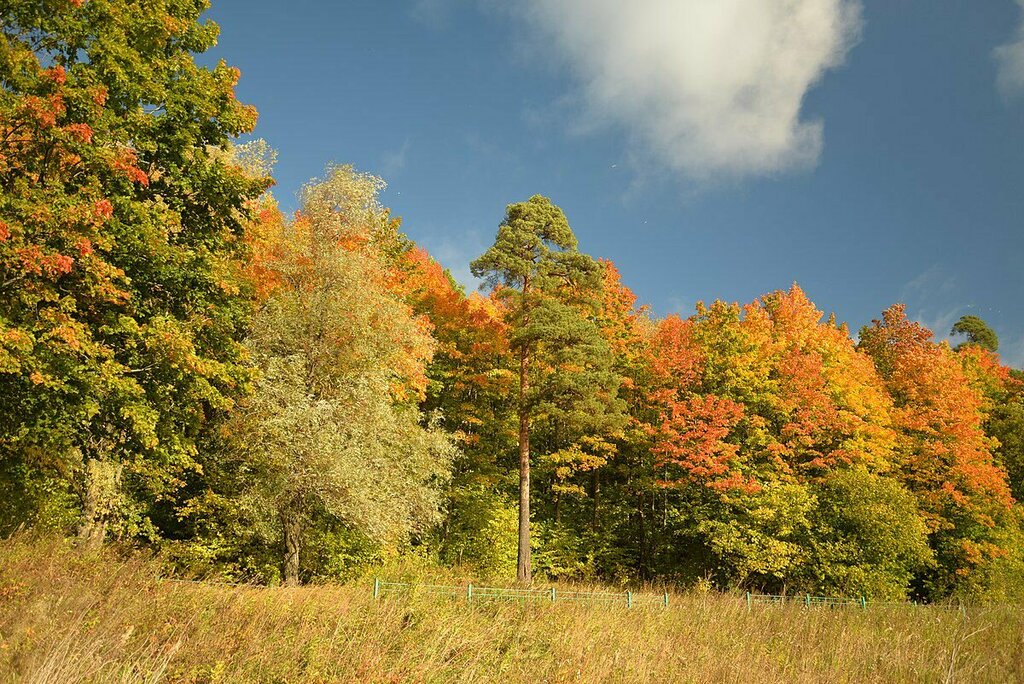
{"x":772,"y":427}
{"x":943,"y":453}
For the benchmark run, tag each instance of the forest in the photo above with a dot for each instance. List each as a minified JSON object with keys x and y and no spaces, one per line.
{"x":275,"y":397}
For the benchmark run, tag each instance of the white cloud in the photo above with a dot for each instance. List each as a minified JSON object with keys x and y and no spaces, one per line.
{"x":710,"y":87}
{"x":928,"y":299}
{"x":1012,"y":353}
{"x":433,"y":14}
{"x":1010,"y":62}
{"x":394,"y":161}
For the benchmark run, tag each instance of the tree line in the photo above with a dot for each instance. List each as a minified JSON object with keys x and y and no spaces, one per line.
{"x":290,"y":398}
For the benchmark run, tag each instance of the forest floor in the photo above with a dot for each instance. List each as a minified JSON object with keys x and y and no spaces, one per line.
{"x":68,"y":616}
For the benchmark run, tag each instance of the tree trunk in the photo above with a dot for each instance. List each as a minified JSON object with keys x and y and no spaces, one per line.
{"x":292,"y":544}
{"x":93,"y":528}
{"x":523,"y":569}
{"x":642,"y":561}
{"x":98,"y":496}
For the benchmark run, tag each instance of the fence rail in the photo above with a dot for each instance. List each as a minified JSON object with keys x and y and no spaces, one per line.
{"x":472,"y":592}
{"x":837,"y":602}
{"x":627,"y":599}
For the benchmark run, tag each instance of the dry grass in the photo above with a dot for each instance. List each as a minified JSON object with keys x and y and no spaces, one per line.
{"x":66,"y":616}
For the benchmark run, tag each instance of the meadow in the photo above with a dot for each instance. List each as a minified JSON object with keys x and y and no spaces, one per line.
{"x":68,"y":616}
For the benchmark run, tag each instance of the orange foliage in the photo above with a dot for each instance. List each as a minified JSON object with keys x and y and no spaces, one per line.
{"x":785,"y":395}
{"x":939,"y":410}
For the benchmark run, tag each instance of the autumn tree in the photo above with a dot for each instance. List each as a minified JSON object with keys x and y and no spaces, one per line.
{"x":469,"y":380}
{"x":546,"y":285}
{"x":333,"y":422}
{"x":769,"y":416}
{"x":121,"y":308}
{"x":944,"y":456}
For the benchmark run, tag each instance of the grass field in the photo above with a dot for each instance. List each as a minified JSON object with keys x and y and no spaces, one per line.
{"x":67,"y":616}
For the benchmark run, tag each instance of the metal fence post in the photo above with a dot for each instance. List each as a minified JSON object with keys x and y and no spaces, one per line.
{"x":807,"y":600}
{"x":552,"y":594}
{"x":376,"y":588}
{"x":748,"y":601}
{"x":629,"y":599}
{"x":469,"y":592}
{"x":665,"y":600}
{"x":864,"y":602}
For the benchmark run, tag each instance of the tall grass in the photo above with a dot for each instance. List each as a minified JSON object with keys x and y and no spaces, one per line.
{"x":67,"y":616}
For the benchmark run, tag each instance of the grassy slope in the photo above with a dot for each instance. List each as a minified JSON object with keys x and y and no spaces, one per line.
{"x":68,"y":617}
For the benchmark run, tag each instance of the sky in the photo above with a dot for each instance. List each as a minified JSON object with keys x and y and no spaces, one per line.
{"x":871,"y":151}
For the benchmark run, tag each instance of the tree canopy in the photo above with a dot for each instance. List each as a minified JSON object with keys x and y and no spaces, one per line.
{"x":272,"y":397}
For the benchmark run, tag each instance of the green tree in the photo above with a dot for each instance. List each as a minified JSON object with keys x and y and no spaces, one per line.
{"x":549,"y":290}
{"x":333,"y":423}
{"x":868,"y":538}
{"x":977,"y":332}
{"x":121,"y":310}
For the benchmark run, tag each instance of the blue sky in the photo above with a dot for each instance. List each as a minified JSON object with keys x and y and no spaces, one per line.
{"x":871,"y":151}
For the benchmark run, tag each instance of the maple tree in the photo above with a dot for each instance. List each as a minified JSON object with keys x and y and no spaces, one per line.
{"x":759,"y":409}
{"x":944,"y":455}
{"x":121,"y":311}
{"x":469,"y":381}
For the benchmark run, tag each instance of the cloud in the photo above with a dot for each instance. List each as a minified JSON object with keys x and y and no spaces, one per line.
{"x":434,"y":14}
{"x":1010,"y":62}
{"x":710,"y":88}
{"x":394,"y":161}
{"x":1012,"y":352}
{"x":928,"y":299}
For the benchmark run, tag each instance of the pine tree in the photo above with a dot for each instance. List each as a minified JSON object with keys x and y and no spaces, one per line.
{"x":549,"y":287}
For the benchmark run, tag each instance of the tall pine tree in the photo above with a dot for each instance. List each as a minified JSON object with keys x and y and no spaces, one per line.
{"x":551,"y":293}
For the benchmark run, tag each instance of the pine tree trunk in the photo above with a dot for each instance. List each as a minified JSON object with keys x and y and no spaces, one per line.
{"x":292,"y":545}
{"x":523,"y":570}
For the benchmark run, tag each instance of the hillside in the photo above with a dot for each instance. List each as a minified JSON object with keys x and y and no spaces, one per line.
{"x":67,"y":616}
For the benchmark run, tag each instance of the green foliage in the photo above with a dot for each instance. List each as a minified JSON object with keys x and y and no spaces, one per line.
{"x":1006,"y":424}
{"x":479,"y":532}
{"x":868,"y":537}
{"x":327,"y":426}
{"x":121,"y":314}
{"x":977,"y":332}
{"x":33,"y":498}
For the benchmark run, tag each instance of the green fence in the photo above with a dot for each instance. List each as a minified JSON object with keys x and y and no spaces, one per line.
{"x":806,"y":600}
{"x":473,"y":592}
{"x":627,"y":599}
{"x":839,"y":602}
